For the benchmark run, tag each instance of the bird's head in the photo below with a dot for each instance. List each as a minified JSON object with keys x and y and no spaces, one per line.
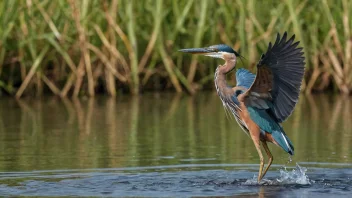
{"x":216,"y":51}
{"x":221,"y":51}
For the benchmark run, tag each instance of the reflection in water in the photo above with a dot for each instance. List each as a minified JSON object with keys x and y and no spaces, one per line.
{"x":159,"y":129}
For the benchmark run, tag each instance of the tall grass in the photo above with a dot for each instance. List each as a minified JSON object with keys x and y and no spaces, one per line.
{"x":113,"y":46}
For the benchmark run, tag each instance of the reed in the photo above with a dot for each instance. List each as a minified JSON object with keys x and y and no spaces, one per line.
{"x":74,"y":48}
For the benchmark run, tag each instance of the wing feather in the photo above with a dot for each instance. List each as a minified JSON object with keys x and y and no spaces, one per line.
{"x":244,"y":78}
{"x":279,"y":73}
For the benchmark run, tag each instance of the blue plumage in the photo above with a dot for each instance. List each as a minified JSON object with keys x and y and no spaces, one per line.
{"x":262,"y":117}
{"x":223,"y":48}
{"x":244,"y":78}
{"x":267,"y":123}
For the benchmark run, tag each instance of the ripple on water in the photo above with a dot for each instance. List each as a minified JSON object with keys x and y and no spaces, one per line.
{"x":179,"y":181}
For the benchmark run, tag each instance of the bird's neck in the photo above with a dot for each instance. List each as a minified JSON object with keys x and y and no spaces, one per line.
{"x":222,"y":88}
{"x":230,"y":63}
{"x":221,"y":85}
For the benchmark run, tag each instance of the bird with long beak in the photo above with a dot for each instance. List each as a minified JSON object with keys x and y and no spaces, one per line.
{"x":261,"y":102}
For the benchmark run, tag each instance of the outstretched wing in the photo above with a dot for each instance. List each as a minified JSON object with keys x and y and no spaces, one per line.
{"x":279,"y":77}
{"x":244,"y":78}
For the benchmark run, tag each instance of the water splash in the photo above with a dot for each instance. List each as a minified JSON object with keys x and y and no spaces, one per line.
{"x":295,"y":176}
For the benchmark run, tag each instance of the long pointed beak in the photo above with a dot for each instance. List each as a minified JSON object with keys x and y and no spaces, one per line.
{"x":203,"y":51}
{"x":197,"y":50}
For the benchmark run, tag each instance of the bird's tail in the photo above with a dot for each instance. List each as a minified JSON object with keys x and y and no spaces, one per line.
{"x":283,"y":141}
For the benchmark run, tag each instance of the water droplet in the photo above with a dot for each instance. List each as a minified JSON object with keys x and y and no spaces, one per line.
{"x":289,"y":160}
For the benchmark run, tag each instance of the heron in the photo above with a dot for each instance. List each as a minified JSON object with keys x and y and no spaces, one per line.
{"x":261,"y":102}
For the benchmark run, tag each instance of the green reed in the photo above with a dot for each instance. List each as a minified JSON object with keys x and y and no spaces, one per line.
{"x":84,"y":47}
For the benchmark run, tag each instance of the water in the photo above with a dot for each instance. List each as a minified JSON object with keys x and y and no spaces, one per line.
{"x":166,"y":145}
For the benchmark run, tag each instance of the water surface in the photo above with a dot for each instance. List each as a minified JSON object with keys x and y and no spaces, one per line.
{"x":167,"y":145}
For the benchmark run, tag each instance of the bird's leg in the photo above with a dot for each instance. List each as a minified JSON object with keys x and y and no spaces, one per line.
{"x":257,"y":146}
{"x":271,"y":158}
{"x":261,"y":165}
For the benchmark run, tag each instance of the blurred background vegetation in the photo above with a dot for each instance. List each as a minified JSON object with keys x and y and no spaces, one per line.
{"x":86,"y":47}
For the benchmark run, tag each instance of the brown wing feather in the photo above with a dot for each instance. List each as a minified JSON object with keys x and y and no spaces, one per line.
{"x":263,"y":82}
{"x":279,"y":76}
